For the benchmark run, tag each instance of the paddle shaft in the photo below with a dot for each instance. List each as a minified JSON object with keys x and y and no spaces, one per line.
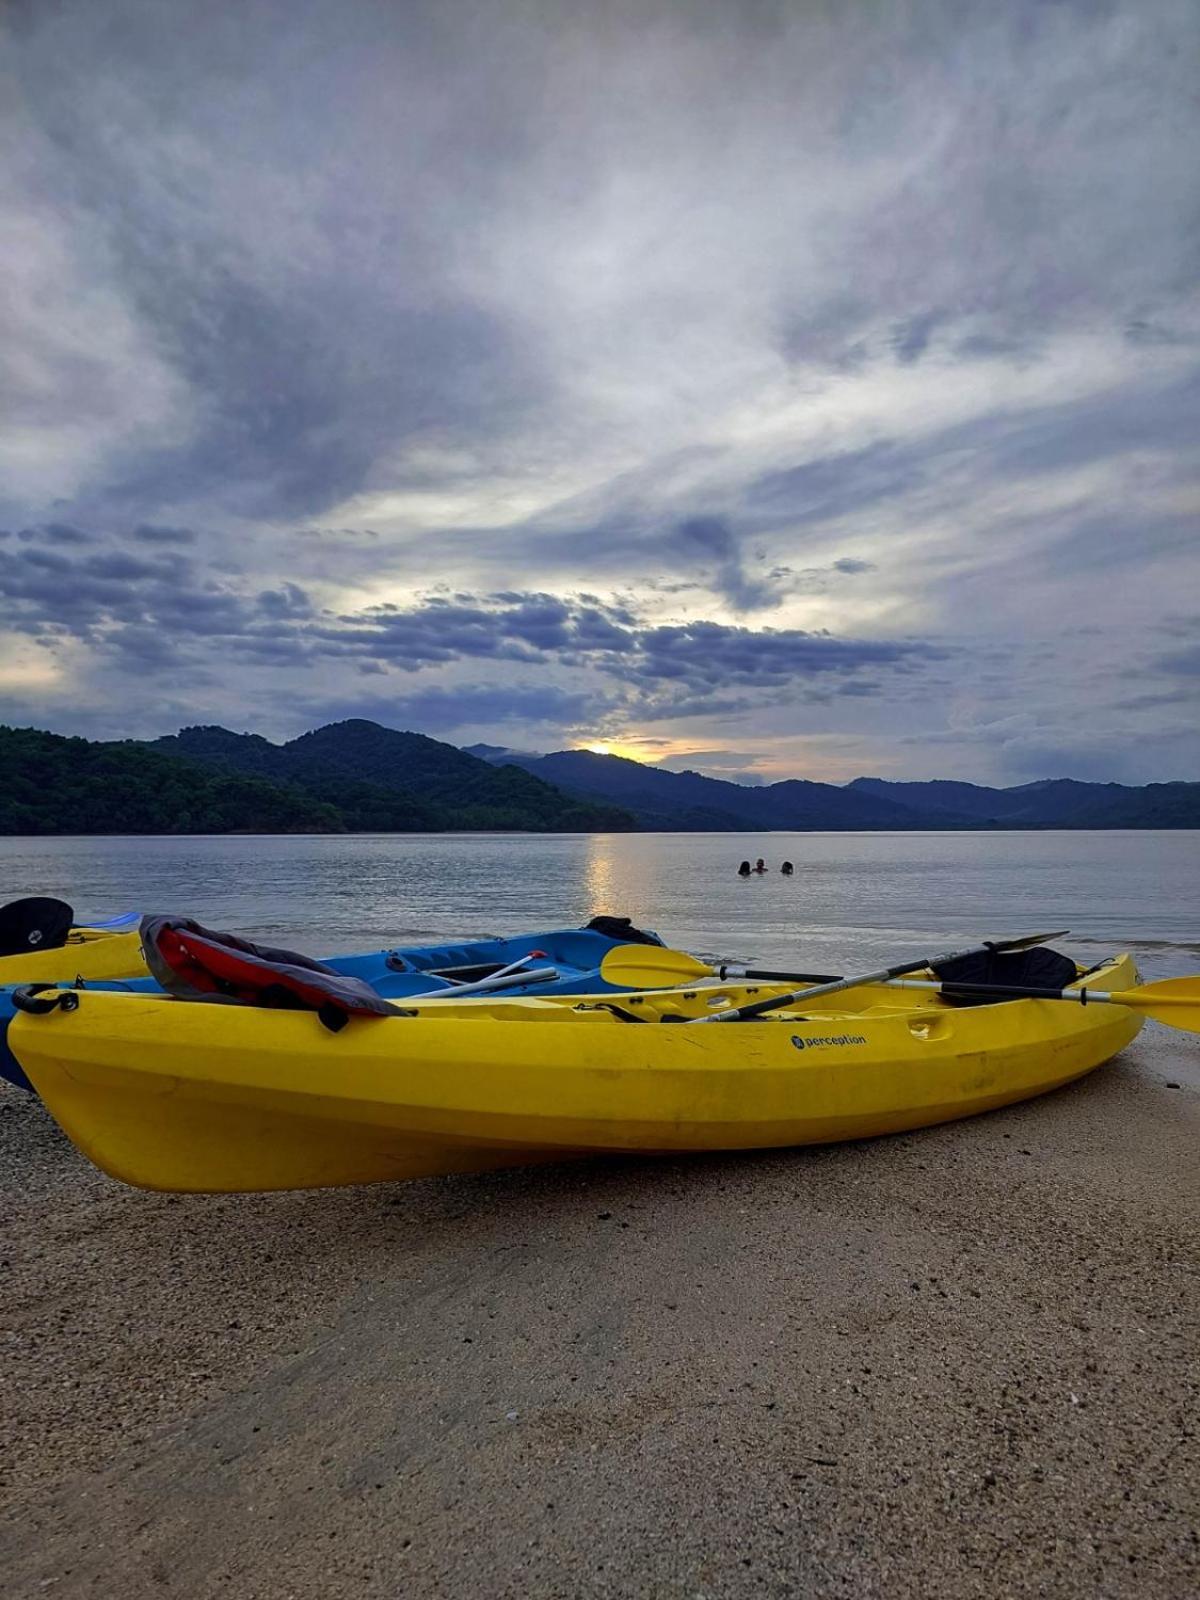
{"x":759,"y":1008}
{"x":509,"y":979}
{"x":639,"y":966}
{"x":765,"y":975}
{"x":1006,"y":991}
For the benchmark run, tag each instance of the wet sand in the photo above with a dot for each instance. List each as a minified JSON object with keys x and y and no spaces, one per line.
{"x":956,"y":1363}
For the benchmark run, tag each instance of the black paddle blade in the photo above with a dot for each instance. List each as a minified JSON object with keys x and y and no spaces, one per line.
{"x":1024,"y":944}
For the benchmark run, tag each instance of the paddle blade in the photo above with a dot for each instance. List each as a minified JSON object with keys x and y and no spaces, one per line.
{"x":1028,"y":942}
{"x":1174,"y":1002}
{"x":649,"y":966}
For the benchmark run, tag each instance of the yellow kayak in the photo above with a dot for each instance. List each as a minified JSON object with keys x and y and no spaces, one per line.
{"x":90,"y":953}
{"x":195,"y":1097}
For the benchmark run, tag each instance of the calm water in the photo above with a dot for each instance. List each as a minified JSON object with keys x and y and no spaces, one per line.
{"x":856,"y":900}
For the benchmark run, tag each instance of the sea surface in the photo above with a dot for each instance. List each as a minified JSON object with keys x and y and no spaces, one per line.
{"x":856,"y":901}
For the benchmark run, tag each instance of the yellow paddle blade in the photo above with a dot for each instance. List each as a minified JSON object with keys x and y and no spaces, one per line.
{"x":649,"y":966}
{"x":1174,"y":1002}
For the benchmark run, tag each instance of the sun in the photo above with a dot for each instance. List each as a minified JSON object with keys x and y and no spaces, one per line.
{"x":609,"y":747}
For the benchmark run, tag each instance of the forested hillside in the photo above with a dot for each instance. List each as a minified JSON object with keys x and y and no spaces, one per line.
{"x":362,"y":767}
{"x":51,"y":785}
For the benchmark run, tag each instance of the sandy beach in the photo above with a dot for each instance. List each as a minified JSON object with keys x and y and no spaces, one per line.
{"x":962,"y":1362}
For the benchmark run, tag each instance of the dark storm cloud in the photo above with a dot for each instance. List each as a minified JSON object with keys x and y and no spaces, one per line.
{"x":304,"y":397}
{"x":55,"y":533}
{"x":289,"y":600}
{"x":1185,"y":662}
{"x":142,"y":610}
{"x":1141,"y":330}
{"x":910,"y":339}
{"x":440,"y":710}
{"x":513,"y":627}
{"x":151,"y":533}
{"x":47,"y":589}
{"x":688,"y":661}
{"x":729,"y":563}
{"x":712,"y":540}
{"x":833,"y":486}
{"x":680,"y":703}
{"x":712,"y":654}
{"x":1168,"y":697}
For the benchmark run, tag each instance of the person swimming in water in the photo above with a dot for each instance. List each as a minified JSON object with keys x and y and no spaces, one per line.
{"x":760,"y":865}
{"x":744,"y":870}
{"x":787,"y":869}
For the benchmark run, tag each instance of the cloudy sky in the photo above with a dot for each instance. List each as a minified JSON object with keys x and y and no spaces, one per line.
{"x":783,"y":389}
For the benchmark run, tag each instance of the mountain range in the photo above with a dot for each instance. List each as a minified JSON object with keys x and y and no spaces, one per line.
{"x":358,"y":776}
{"x":384,"y":780}
{"x":348,"y":777}
{"x":678,"y":801}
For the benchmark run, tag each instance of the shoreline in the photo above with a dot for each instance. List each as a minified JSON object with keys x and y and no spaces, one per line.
{"x":956,"y":1362}
{"x":597,"y":833}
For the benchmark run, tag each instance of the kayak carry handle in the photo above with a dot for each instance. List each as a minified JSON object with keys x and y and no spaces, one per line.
{"x":37,"y":999}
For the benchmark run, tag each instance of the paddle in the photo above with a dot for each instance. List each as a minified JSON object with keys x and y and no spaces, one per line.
{"x":1173,"y":1001}
{"x":500,"y":975}
{"x":510,"y":978}
{"x":648,"y":966}
{"x":758,"y":1008}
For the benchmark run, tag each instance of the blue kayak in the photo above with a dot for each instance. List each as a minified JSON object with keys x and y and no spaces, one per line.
{"x":563,"y":961}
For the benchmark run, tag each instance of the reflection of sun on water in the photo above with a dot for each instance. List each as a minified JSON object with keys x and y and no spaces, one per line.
{"x":600,"y":876}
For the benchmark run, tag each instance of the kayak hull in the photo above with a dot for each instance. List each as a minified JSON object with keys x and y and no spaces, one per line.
{"x":172,"y":1096}
{"x":95,"y":954}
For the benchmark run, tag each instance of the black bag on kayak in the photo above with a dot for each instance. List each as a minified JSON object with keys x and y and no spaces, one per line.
{"x":1038,"y":968}
{"x":37,"y":923}
{"x":623,"y":930}
{"x":194,"y":963}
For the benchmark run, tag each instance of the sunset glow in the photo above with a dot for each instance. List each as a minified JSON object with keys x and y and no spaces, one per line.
{"x":609,"y":747}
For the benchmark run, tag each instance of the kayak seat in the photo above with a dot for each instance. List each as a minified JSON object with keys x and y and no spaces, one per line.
{"x":622,"y":930}
{"x":1039,"y":968}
